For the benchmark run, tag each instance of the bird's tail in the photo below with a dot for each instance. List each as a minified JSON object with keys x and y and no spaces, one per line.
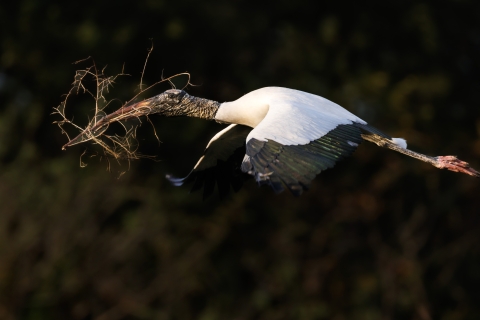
{"x":402,"y":143}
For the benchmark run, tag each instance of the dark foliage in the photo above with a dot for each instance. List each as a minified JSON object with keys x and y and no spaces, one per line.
{"x":380,"y":236}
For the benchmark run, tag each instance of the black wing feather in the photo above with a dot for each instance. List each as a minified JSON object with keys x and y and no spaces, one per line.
{"x":295,"y":166}
{"x":223,"y":171}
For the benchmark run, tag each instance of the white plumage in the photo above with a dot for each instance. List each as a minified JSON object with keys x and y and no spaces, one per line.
{"x":287,"y":116}
{"x":221,"y":146}
{"x":402,"y":143}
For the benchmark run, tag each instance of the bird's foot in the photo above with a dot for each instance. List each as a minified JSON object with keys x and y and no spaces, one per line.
{"x":453,"y":164}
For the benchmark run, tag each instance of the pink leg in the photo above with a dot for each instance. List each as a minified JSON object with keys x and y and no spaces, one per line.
{"x":453,"y":164}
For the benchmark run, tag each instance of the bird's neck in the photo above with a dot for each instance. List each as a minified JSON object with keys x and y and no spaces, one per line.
{"x":195,"y":107}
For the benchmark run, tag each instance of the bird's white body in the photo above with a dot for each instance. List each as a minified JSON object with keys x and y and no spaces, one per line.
{"x":287,"y":116}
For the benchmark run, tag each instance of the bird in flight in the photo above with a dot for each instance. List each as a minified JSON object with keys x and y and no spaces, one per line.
{"x":282,"y":137}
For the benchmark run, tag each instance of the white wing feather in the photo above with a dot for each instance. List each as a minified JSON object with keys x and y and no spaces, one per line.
{"x":297,"y":118}
{"x":222,"y":146}
{"x":292,"y":117}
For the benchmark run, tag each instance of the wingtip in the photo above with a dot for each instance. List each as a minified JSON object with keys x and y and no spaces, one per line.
{"x":177,"y":182}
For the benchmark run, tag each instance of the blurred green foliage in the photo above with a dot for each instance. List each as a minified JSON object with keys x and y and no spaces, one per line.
{"x":381,"y":236}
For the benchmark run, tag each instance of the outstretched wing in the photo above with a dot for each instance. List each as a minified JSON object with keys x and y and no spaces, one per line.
{"x":301,"y":136}
{"x":220,"y":163}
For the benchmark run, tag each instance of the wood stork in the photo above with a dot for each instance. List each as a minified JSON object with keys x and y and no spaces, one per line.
{"x":295,"y":136}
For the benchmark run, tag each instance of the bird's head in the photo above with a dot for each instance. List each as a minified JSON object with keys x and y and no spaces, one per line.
{"x":169,"y":103}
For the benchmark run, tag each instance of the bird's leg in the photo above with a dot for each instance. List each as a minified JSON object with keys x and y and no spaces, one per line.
{"x":442,"y":162}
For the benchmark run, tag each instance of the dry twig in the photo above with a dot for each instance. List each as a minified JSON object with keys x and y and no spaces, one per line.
{"x":114,"y":146}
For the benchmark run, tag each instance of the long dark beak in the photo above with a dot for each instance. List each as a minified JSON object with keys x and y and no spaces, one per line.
{"x":98,"y":127}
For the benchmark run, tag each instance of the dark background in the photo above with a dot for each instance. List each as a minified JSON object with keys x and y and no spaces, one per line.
{"x":381,"y":236}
